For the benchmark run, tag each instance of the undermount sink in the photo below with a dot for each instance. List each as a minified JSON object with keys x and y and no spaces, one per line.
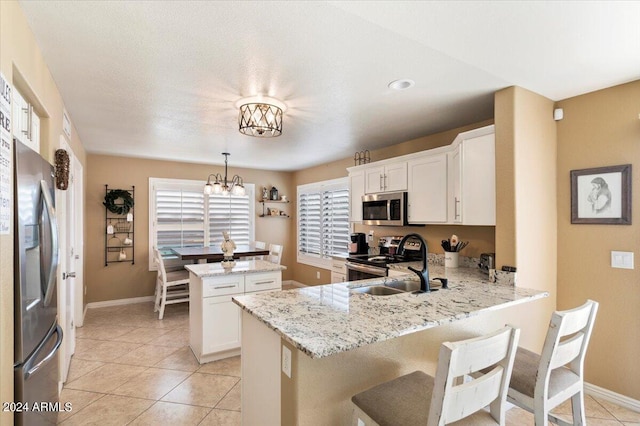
{"x":378,"y":290}
{"x":395,"y":287}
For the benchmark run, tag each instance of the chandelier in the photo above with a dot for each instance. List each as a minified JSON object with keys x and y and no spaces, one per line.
{"x":222,"y":185}
{"x":260,"y":117}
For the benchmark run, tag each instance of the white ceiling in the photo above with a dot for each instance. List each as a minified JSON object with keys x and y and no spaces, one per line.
{"x":160,"y":79}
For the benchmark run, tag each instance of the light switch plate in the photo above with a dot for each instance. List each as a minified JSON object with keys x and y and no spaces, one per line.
{"x":622,"y":259}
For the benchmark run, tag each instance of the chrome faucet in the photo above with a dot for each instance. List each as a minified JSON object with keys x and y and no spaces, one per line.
{"x":424,"y":251}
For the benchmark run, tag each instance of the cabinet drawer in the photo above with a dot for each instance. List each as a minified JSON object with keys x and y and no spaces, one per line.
{"x":219,"y":286}
{"x":264,"y":281}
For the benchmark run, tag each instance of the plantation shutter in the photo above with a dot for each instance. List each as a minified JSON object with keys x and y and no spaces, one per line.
{"x":335,"y":222}
{"x":232,"y":214}
{"x":179,"y":219}
{"x":310,"y":223}
{"x":323,"y":221}
{"x":181,"y":215}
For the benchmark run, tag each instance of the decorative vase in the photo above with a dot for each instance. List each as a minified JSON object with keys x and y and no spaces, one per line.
{"x":450,"y":259}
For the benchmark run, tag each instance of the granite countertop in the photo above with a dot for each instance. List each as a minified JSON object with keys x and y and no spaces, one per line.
{"x":333,"y":318}
{"x":204,"y":270}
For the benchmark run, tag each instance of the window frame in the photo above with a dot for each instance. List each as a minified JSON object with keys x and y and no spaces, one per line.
{"x":318,"y":187}
{"x":192,"y":185}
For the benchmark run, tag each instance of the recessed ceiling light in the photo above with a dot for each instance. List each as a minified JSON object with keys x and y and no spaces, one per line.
{"x":402,"y":84}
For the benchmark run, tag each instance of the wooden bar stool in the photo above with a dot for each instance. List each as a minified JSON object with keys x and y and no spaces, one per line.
{"x":405,"y":400}
{"x":539,"y":383}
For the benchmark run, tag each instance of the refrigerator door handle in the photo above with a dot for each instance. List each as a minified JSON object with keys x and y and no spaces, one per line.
{"x":51,"y":212}
{"x":31,"y":370}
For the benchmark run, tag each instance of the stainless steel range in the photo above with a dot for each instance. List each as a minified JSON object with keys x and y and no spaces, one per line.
{"x":365,"y":266}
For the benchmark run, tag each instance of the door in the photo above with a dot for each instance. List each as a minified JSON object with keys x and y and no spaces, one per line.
{"x":71,"y":225}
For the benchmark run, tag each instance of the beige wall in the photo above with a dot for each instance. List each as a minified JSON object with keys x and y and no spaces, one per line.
{"x":23,"y":66}
{"x":124,"y":280}
{"x":481,"y":237}
{"x":526,"y":152}
{"x":602,"y":129}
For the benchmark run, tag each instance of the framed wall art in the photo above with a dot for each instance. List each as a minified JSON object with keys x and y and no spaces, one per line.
{"x":601,"y":195}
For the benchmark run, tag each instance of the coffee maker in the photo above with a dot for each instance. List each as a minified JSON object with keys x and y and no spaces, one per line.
{"x":358,"y":243}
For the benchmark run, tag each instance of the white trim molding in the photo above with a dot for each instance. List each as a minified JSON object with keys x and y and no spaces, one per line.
{"x":615,"y":398}
{"x":118,"y":302}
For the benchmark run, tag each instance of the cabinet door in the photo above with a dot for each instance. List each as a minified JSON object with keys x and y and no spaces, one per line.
{"x":455,"y":185}
{"x":374,"y":180}
{"x":395,"y":177}
{"x":478,"y":171}
{"x":356,"y":191}
{"x":35,"y":131}
{"x":221,"y":324}
{"x":427,"y":189}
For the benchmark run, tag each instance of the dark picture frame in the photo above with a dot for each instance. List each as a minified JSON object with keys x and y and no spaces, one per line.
{"x":601,"y":195}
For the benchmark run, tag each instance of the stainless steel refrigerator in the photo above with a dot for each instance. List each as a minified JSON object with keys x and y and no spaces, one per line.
{"x":37,"y":335}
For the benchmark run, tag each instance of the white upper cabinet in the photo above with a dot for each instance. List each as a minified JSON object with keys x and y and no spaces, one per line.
{"x":26,"y":123}
{"x":472,"y":177}
{"x":356,"y":191}
{"x":453,"y":184}
{"x":390,"y":177}
{"x":427,"y":189}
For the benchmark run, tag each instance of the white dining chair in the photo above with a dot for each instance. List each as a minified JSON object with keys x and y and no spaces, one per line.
{"x":419,"y":399}
{"x":275,"y":253}
{"x":171,"y":287}
{"x":259,"y":245}
{"x":540,"y":383}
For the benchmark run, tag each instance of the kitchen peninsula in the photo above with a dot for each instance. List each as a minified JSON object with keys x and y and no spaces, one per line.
{"x":214,"y":320}
{"x":337,"y":341}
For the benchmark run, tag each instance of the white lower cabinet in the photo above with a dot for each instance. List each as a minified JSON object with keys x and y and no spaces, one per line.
{"x":214,"y":320}
{"x":221,"y":324}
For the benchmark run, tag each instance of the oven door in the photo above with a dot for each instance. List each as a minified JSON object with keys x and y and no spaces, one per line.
{"x":357,"y":271}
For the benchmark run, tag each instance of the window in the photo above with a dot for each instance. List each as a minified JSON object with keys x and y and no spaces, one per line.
{"x":181,"y":215}
{"x":323,"y":222}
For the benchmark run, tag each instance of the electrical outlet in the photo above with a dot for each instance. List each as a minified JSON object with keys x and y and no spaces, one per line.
{"x":286,"y":361}
{"x":318,"y":275}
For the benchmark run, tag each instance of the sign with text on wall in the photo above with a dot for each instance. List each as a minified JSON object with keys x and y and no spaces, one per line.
{"x":6,"y":157}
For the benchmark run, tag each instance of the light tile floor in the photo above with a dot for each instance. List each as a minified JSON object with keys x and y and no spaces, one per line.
{"x":131,"y":368}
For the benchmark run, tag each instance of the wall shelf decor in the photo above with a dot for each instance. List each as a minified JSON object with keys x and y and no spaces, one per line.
{"x":119,"y":225}
{"x":273,"y":212}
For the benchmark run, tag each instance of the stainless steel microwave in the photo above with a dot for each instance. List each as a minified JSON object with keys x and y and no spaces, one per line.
{"x":388,"y":209}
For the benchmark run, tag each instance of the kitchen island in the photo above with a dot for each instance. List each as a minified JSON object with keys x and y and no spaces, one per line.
{"x":214,"y":320}
{"x":337,"y":341}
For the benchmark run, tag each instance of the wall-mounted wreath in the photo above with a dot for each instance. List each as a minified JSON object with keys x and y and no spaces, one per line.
{"x":118,"y":208}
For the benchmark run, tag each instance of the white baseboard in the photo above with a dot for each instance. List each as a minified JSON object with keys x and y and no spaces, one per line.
{"x":615,"y":398}
{"x":117,"y":302}
{"x":293,"y":283}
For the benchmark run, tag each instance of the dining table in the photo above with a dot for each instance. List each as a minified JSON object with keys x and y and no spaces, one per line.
{"x":215,"y":254}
